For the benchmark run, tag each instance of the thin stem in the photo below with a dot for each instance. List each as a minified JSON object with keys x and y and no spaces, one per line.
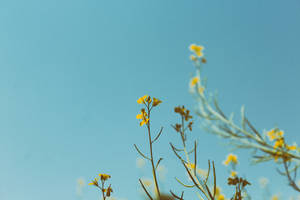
{"x":151,"y":154}
{"x":292,"y":182}
{"x":102,"y":189}
{"x":145,"y":190}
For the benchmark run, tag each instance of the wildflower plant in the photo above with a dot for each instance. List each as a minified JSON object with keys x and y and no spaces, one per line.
{"x":265,"y":146}
{"x":200,"y":182}
{"x":105,"y":191}
{"x":148,"y":104}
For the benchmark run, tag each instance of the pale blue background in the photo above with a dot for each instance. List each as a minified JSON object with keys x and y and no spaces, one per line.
{"x":71,"y":72}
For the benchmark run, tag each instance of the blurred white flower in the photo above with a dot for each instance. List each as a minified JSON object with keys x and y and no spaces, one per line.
{"x":146,"y":181}
{"x":201,"y":172}
{"x":162,"y":171}
{"x":263,"y":181}
{"x":79,"y":186}
{"x":140,"y":162}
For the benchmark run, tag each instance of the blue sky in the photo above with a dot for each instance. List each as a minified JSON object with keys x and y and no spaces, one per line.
{"x":71,"y":72}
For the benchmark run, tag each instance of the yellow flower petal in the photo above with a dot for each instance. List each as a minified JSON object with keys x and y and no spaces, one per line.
{"x":197,"y":50}
{"x":104,"y":176}
{"x":233,"y":173}
{"x":139,"y":116}
{"x":292,"y":148}
{"x":231,"y":158}
{"x":194,"y":81}
{"x":142,"y":99}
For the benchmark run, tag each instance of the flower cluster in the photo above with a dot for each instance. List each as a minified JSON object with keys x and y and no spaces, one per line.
{"x":194,"y":81}
{"x":106,"y":192}
{"x":185,"y":113}
{"x":197,"y":53}
{"x":219,"y":195}
{"x":231,"y":158}
{"x":242,"y":134}
{"x":149,"y":104}
{"x":185,"y":117}
{"x":240,"y":185}
{"x":277,"y":136}
{"x":143,"y":116}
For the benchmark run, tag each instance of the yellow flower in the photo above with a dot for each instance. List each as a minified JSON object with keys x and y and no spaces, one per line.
{"x":147,"y":182}
{"x":277,"y":155}
{"x":218,"y":191}
{"x":190,"y":165}
{"x":94,"y":182}
{"x":275,"y":197}
{"x":193,"y":58}
{"x":145,"y":121}
{"x":144,"y":99}
{"x":279,"y":143}
{"x":197,"y":50}
{"x":275,"y":134}
{"x":194,"y":81}
{"x":231,"y":158}
{"x":221,"y":197}
{"x":104,"y":177}
{"x":233,"y":173}
{"x":292,"y":148}
{"x":143,"y":117}
{"x":202,"y":172}
{"x":156,"y":102}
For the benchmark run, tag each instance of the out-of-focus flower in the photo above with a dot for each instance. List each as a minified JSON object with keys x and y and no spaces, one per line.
{"x":194,"y":81}
{"x":263,"y":182}
{"x":81,"y":182}
{"x":275,"y":134}
{"x":218,"y":191}
{"x":140,"y":162}
{"x":277,"y":155}
{"x":221,"y":197}
{"x":162,"y":171}
{"x":146,"y":181}
{"x":291,"y":148}
{"x":233,"y":173}
{"x":202,"y":172}
{"x":190,"y":165}
{"x":279,"y":143}
{"x":275,"y":197}
{"x":197,"y":49}
{"x":231,"y":158}
{"x":80,"y":186}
